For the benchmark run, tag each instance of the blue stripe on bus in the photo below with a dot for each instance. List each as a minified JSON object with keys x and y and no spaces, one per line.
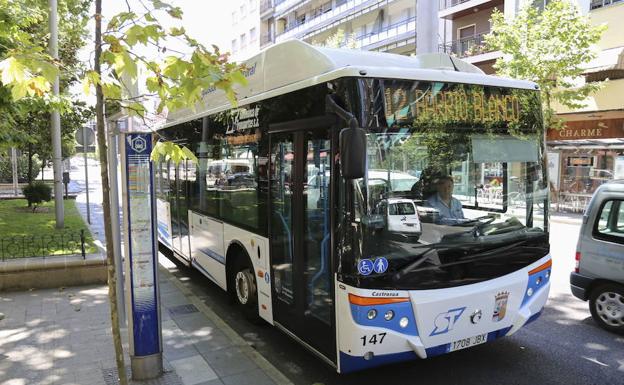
{"x":216,"y":256}
{"x":204,"y":271}
{"x":349,"y":363}
{"x":400,"y":309}
{"x":534,"y":317}
{"x":537,"y":282}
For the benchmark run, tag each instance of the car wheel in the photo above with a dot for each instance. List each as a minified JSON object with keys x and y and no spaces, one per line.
{"x":245,"y":289}
{"x":606,"y":304}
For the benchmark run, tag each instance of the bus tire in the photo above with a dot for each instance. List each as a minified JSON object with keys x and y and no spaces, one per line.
{"x":606,"y":304}
{"x":244,"y":287}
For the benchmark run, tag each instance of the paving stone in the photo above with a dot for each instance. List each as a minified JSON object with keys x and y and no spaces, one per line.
{"x":172,"y":353}
{"x":229,"y":361}
{"x":217,"y":340}
{"x":193,"y":370}
{"x":255,"y":377}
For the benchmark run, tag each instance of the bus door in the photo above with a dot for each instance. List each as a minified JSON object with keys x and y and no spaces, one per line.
{"x":300,"y":236}
{"x":179,"y":210}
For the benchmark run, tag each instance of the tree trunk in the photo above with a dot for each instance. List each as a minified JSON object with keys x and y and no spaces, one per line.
{"x":101,"y":139}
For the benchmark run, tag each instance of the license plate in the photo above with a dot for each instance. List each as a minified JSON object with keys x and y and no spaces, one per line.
{"x":468,"y":342}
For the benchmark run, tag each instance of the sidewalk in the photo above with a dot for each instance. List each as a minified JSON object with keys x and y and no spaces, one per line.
{"x":63,"y":336}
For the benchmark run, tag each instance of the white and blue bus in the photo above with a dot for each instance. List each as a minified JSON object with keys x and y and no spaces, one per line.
{"x":310,"y":201}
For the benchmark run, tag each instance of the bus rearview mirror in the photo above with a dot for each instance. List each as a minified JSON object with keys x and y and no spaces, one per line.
{"x":352,"y":152}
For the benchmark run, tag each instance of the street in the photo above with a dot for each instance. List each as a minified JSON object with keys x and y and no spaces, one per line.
{"x":564,"y":346}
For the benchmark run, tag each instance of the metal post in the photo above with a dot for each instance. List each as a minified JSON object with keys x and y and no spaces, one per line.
{"x":55,"y":124}
{"x":84,"y":149}
{"x":14,"y":166}
{"x":427,"y":22}
{"x":114,"y":214}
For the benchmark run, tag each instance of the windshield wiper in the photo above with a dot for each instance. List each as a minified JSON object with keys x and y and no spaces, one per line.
{"x":489,"y":254}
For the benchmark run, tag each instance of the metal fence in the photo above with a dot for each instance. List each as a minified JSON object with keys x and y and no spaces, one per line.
{"x":28,"y":246}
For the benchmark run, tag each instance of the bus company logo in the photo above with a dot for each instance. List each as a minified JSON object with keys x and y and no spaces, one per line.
{"x":500,"y":306}
{"x":138,"y":143}
{"x":445,"y":322}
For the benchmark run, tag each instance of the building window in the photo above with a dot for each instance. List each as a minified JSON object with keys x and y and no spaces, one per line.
{"x":243,"y":11}
{"x":252,"y":35}
{"x":234,"y":18}
{"x":243,"y":41}
{"x":541,"y":4}
{"x":234,"y":45}
{"x":602,"y":3}
{"x":252,"y":6}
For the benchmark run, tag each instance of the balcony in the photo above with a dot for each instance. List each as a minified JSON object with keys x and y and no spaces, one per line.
{"x":473,"y":49}
{"x":266,"y":8}
{"x":595,"y":4}
{"x":266,"y":39}
{"x":397,"y":31}
{"x":329,"y":18}
{"x":452,"y":9}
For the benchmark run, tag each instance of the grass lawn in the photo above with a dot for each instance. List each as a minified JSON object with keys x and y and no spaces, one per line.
{"x":17,"y":220}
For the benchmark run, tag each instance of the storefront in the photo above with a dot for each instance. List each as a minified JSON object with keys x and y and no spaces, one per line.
{"x":582,"y":156}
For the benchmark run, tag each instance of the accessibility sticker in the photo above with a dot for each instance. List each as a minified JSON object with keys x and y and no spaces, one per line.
{"x":380,"y":265}
{"x":365,"y":266}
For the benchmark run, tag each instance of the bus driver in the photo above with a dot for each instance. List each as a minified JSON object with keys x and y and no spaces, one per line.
{"x":450,"y":209}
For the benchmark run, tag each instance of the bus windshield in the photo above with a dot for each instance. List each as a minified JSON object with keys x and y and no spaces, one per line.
{"x":456,"y":190}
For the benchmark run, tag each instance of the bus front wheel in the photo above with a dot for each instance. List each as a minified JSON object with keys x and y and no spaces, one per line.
{"x":245,"y":288}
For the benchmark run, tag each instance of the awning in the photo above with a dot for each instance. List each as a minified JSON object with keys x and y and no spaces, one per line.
{"x":587,"y":144}
{"x":608,"y":64}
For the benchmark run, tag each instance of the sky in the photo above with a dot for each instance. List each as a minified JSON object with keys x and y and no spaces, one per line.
{"x":207,"y":21}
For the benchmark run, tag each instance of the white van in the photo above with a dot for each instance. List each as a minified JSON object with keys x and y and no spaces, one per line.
{"x":400,"y":217}
{"x":599,"y":273}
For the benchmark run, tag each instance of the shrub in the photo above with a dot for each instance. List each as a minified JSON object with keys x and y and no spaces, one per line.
{"x":36,"y":193}
{"x":6,"y":170}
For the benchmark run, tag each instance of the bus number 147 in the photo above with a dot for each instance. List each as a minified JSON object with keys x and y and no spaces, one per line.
{"x":373,"y":340}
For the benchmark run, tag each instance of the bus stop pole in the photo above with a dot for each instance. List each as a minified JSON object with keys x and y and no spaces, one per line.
{"x":141,"y":254}
{"x":114,"y":214}
{"x":84,"y":151}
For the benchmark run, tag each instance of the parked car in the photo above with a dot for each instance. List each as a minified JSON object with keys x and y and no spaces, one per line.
{"x":399,"y":217}
{"x":599,"y":272}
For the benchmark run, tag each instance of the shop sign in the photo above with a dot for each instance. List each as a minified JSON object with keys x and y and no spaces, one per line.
{"x":588,"y":129}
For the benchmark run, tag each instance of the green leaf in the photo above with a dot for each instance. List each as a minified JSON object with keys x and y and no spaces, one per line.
{"x":12,"y":71}
{"x":175,"y":12}
{"x":177,"y":31}
{"x":111,"y":91}
{"x":238,"y":77}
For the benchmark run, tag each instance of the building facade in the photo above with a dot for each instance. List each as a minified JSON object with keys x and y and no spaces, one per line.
{"x":245,"y":39}
{"x":386,"y":25}
{"x":589,"y":149}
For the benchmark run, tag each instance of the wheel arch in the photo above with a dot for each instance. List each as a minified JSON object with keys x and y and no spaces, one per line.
{"x":236,"y":253}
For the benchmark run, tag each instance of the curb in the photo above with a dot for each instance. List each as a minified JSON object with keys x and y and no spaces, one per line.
{"x":278,"y":377}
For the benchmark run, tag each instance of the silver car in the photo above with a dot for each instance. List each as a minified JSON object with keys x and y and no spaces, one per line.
{"x":599,"y":271}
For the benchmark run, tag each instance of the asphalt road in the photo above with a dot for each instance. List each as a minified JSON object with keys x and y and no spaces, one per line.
{"x":563,"y":346}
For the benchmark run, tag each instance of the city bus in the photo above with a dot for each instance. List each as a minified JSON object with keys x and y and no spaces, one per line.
{"x":310,"y":201}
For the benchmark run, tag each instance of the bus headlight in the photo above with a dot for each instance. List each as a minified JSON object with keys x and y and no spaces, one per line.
{"x":403,"y":322}
{"x":530,"y":292}
{"x":389,"y":315}
{"x":372,"y":313}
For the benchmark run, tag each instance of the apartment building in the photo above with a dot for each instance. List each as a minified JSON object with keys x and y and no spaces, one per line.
{"x":375,"y":25}
{"x":245,"y":39}
{"x":463,"y":25}
{"x":589,"y":150}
